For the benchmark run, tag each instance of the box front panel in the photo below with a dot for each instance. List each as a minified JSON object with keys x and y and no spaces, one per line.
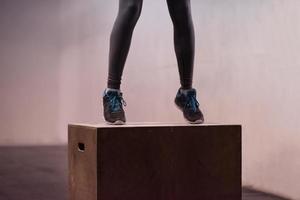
{"x":169,"y":163}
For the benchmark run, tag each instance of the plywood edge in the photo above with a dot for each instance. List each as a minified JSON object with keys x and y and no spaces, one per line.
{"x":146,"y":124}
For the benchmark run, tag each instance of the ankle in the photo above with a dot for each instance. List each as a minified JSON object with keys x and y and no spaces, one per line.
{"x":185,"y":90}
{"x":112,"y":89}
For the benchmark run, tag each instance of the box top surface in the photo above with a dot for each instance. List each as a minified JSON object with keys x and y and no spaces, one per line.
{"x":147,"y":124}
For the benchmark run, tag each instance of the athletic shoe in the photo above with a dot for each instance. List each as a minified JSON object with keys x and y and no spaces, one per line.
{"x":189,"y":105}
{"x":112,"y":107}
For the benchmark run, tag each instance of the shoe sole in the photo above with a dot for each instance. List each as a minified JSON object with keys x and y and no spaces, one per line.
{"x":118,"y":122}
{"x":199,"y":121}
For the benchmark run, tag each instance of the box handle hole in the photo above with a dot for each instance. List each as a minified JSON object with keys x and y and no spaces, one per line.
{"x":81,"y":147}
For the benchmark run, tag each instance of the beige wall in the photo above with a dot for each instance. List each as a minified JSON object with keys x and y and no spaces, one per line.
{"x":53,"y":59}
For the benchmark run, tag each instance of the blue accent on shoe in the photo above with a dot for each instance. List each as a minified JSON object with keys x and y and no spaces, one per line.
{"x":191,"y":101}
{"x":115,"y":101}
{"x":186,"y":101}
{"x":113,"y":111}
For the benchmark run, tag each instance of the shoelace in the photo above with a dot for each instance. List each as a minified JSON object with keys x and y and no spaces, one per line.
{"x":116,"y":101}
{"x":192,"y":102}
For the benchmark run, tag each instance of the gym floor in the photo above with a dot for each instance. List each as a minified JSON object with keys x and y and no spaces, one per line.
{"x":40,"y":173}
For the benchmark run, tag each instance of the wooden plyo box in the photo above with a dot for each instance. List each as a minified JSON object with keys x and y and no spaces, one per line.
{"x":154,"y":162}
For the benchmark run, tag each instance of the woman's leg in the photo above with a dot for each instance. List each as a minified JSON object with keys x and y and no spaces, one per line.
{"x":184,"y":39}
{"x":120,"y":39}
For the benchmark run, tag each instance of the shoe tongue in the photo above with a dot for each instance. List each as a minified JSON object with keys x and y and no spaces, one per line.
{"x":112,"y":92}
{"x":189,"y":91}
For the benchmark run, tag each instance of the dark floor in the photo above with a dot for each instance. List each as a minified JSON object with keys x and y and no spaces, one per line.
{"x":40,"y":173}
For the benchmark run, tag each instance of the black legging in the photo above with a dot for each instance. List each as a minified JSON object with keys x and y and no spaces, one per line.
{"x":120,"y":39}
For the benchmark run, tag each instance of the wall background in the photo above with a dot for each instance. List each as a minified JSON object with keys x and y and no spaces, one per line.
{"x":53,"y":68}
